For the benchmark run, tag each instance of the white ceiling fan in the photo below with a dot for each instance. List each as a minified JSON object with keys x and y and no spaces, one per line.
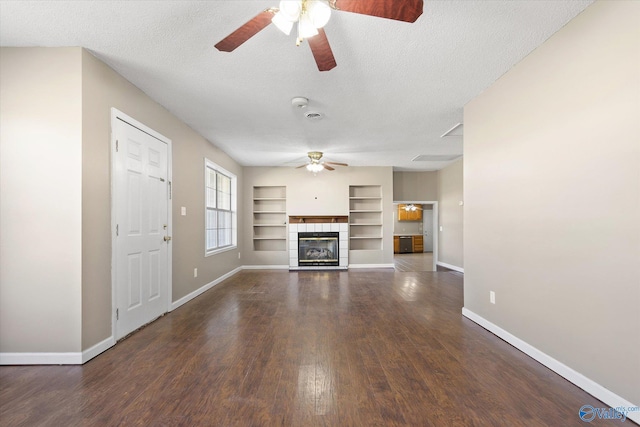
{"x":315,"y":165}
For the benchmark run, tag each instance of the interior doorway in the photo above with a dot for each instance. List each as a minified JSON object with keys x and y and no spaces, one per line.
{"x":415,"y":226}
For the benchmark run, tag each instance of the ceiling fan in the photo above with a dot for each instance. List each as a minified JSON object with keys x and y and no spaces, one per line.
{"x":311,"y":15}
{"x":315,"y":165}
{"x":410,"y":207}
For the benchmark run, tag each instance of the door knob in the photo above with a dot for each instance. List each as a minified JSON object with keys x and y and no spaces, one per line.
{"x":167,"y":238}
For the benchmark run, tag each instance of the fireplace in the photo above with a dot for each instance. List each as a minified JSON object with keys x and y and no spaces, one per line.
{"x":318,"y":243}
{"x":318,"y":248}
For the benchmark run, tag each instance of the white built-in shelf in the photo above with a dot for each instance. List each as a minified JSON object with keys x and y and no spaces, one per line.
{"x":365,"y":217}
{"x":269,"y":218}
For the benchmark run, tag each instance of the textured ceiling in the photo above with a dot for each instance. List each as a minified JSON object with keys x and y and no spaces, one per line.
{"x":397,"y":87}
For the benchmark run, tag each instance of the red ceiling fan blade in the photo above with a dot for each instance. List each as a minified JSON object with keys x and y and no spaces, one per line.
{"x":322,"y":51}
{"x":400,"y":10}
{"x":245,"y":32}
{"x":327,"y":167}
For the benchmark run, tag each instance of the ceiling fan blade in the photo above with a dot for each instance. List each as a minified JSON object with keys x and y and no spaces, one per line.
{"x":327,"y":167}
{"x":336,"y":163}
{"x":301,"y":166}
{"x":245,"y":32}
{"x":322,"y":51}
{"x":400,"y":10}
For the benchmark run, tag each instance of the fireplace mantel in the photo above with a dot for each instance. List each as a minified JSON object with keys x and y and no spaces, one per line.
{"x":319,"y":219}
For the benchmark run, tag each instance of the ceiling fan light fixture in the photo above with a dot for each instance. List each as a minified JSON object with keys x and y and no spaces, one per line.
{"x":319,"y":12}
{"x":282,"y":23}
{"x":290,"y":9}
{"x":306,"y":28}
{"x":315,"y":167}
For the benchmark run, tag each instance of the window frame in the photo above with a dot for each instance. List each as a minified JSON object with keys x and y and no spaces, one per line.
{"x":217,"y":169}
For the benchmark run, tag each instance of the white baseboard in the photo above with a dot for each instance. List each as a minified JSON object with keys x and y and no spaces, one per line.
{"x":41,"y":358}
{"x":185,"y":299}
{"x":102,"y":346}
{"x":450,"y":267}
{"x":265,"y":267}
{"x":354,"y":266}
{"x":73,"y":358}
{"x":588,"y":385}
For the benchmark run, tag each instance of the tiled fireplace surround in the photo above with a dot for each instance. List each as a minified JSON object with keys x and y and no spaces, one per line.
{"x":310,"y":224}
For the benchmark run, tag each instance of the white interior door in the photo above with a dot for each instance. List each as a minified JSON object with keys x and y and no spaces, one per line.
{"x":141,"y":198}
{"x":427,"y":228}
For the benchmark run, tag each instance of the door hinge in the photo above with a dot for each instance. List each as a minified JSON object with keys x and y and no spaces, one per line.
{"x":170,"y":190}
{"x":117,"y":230}
{"x":116,"y":145}
{"x":117,"y":314}
{"x":161,"y":179}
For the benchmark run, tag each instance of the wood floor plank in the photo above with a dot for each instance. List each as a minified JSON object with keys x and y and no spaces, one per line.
{"x":277,"y":348}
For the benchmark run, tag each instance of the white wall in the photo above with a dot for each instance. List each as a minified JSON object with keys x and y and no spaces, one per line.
{"x":40,"y":200}
{"x":552,"y":198}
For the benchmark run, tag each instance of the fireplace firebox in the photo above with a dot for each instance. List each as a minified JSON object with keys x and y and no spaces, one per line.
{"x":318,"y":249}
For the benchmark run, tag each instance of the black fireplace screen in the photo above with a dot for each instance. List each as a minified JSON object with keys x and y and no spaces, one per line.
{"x":318,"y":249}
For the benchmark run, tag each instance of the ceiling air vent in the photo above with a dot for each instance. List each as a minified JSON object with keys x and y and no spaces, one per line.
{"x":454,"y":131}
{"x":435,"y":157}
{"x":312,"y":115}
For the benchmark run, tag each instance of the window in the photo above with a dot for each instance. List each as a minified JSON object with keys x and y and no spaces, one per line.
{"x":220,"y":209}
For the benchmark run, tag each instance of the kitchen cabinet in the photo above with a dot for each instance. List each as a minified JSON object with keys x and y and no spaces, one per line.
{"x":405,"y":215}
{"x":418,"y":244}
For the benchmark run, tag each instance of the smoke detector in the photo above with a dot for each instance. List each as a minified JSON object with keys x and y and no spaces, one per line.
{"x":299,"y":102}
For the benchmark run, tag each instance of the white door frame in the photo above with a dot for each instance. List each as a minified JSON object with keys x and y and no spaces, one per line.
{"x":435,"y":222}
{"x":119,"y":115}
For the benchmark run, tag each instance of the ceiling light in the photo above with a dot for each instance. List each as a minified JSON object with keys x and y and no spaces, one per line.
{"x":309,"y":14}
{"x":282,"y":23}
{"x":315,"y":167}
{"x":319,"y":12}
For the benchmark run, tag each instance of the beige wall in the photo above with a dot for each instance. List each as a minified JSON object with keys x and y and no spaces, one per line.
{"x":326,"y":193}
{"x":552,"y":198}
{"x":450,"y":218}
{"x":103,"y":88}
{"x":415,"y":186}
{"x":55,"y":287}
{"x":40,"y":200}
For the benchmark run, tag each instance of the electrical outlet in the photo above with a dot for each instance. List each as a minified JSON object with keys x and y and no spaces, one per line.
{"x":238,"y":255}
{"x":492,"y":297}
{"x":183,"y":211}
{"x":195,"y":272}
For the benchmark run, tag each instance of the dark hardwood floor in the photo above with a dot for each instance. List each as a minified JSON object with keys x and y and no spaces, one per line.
{"x":270,"y":348}
{"x":422,"y":261}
